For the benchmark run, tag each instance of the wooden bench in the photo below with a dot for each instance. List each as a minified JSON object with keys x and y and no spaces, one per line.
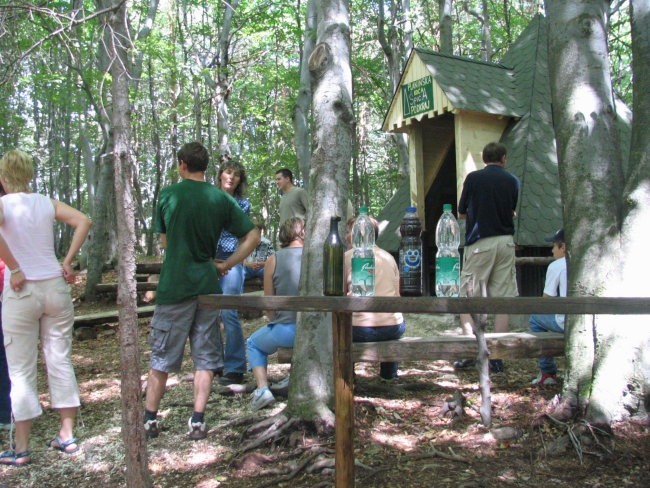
{"x":511,"y":345}
{"x":108,"y":317}
{"x":250,"y":286}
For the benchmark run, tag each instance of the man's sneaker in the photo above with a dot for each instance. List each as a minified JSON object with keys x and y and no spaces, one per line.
{"x":545,"y":379}
{"x":262,"y":397}
{"x":280,"y":385}
{"x":496,"y":366}
{"x":464,"y":364}
{"x":198,"y":430}
{"x":231,"y":379}
{"x":151,"y":429}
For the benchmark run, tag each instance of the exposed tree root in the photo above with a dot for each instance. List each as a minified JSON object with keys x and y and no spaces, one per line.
{"x":273,"y":432}
{"x":293,"y":473}
{"x":577,"y":434}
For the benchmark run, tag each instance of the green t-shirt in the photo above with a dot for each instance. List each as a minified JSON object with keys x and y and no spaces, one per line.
{"x":192,"y":215}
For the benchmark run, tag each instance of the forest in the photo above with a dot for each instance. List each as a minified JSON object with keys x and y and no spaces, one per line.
{"x":103,"y":93}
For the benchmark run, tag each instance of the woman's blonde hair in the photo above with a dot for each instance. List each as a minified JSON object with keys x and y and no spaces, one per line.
{"x":17,"y":169}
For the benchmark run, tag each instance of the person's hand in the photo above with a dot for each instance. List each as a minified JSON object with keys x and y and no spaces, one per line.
{"x":222,"y":268}
{"x":68,"y":274}
{"x":17,"y":281}
{"x":258,"y":265}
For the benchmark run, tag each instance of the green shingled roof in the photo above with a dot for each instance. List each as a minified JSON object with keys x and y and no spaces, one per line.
{"x":474,"y":85}
{"x":532,"y":155}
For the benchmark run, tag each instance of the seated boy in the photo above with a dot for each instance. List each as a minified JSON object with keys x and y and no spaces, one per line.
{"x":555,"y":285}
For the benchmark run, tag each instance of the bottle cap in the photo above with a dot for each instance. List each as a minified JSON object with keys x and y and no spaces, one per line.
{"x":446,"y":207}
{"x":411,"y":209}
{"x":363,"y":209}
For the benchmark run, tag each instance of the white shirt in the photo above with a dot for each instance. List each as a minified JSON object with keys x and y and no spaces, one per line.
{"x":28,"y":229}
{"x":555,"y":284}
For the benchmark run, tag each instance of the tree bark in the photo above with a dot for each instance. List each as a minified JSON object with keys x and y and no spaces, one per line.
{"x":311,"y":388}
{"x":137,"y":473}
{"x":395,"y":50}
{"x":301,"y":110}
{"x":605,"y":354}
{"x":446,"y":27}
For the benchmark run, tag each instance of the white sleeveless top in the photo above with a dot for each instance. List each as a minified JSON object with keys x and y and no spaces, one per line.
{"x":28,"y":229}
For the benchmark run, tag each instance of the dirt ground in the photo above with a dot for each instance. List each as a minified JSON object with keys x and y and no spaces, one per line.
{"x":401,"y":437}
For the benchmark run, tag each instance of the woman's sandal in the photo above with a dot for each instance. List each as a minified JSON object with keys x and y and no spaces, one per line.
{"x":64,"y":446}
{"x":13,"y":458}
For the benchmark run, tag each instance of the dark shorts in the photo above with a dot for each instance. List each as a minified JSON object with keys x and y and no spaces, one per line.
{"x":171,"y":326}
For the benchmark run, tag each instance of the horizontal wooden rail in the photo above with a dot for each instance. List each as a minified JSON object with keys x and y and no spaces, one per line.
{"x":518,"y":305}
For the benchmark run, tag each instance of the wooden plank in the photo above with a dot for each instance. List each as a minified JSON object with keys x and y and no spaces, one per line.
{"x":511,"y":345}
{"x":148,"y":268}
{"x":108,"y":317}
{"x":517,"y":305}
{"x":249,"y":286}
{"x":112,"y":287}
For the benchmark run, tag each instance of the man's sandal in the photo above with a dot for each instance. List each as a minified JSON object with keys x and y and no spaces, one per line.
{"x":64,"y":446}
{"x":13,"y":458}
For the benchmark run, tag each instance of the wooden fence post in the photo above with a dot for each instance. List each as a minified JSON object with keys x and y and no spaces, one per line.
{"x":343,"y":399}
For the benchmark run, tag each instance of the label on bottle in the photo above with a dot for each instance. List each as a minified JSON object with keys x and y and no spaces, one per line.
{"x":447,"y":276}
{"x":410,"y":259}
{"x":363,"y":276}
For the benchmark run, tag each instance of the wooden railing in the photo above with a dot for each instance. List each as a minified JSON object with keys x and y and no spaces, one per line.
{"x":342,"y":308}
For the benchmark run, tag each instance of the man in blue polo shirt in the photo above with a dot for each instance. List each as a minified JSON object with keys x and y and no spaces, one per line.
{"x":488,"y":203}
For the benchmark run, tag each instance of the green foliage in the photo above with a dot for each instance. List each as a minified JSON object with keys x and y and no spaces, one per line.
{"x":64,"y":85}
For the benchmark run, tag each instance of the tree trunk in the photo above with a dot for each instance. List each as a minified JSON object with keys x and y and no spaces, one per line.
{"x":301,"y":110}
{"x":311,"y":388}
{"x":446,"y":27}
{"x":602,"y":214}
{"x":395,"y":51}
{"x":137,"y":473}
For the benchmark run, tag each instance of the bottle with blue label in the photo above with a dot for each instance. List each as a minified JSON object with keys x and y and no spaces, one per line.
{"x":410,"y":255}
{"x":363,"y":256}
{"x":447,"y":257}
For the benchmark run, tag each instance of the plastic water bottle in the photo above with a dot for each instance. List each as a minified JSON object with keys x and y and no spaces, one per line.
{"x":410,"y":255}
{"x":333,"y":251}
{"x":447,"y":257}
{"x":363,"y":256}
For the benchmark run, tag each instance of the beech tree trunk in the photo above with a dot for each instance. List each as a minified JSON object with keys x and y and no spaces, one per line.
{"x":303,"y":102}
{"x":396,"y":49}
{"x":446,"y":27}
{"x":607,"y":358}
{"x":311,"y":388}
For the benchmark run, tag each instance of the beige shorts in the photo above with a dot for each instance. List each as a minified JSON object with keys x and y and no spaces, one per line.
{"x":492,"y":261}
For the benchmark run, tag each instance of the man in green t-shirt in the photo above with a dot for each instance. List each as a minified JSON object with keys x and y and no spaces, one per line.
{"x":190,"y":217}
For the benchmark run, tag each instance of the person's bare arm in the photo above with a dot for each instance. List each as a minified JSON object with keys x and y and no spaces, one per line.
{"x":269,"y":289}
{"x":81,"y":224}
{"x":247,"y":245}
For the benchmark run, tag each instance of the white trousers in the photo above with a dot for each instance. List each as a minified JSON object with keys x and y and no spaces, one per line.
{"x":41,"y":309}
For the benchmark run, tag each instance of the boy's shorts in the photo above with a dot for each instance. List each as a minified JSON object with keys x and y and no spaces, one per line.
{"x":490,"y":260}
{"x":172,"y":324}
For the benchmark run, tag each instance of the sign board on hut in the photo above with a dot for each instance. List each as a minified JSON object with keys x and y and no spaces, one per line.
{"x":417,"y":97}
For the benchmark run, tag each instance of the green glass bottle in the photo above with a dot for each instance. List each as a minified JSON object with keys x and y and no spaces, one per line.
{"x":333,"y":251}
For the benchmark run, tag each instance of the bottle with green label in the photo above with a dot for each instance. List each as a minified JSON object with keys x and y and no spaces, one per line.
{"x":447,"y":257}
{"x":333,"y":251}
{"x":363,"y":255}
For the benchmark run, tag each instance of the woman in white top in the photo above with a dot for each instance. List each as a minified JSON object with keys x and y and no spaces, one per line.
{"x":37,"y":303}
